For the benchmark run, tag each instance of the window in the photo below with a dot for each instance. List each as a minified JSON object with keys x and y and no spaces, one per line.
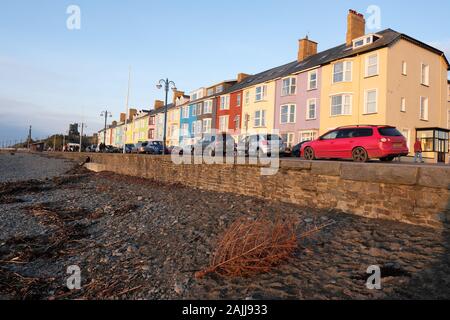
{"x":261,"y":93}
{"x":185,"y":112}
{"x":354,"y":133}
{"x":371,"y":102}
{"x":223,"y":123}
{"x":425,"y":75}
{"x":207,"y":107}
{"x":330,"y":136}
{"x":288,"y":139}
{"x":287,"y":113}
{"x":342,"y":72}
{"x":424,"y":108}
{"x":289,"y":86}
{"x":389,"y":132}
{"x":341,"y":105}
{"x":199,"y":109}
{"x":151,"y":134}
{"x":311,"y":109}
{"x":219,"y":89}
{"x":403,"y":104}
{"x":404,"y":68}
{"x":312,"y":80}
{"x":224,"y":102}
{"x":210,"y":92}
{"x":237,"y":122}
{"x":206,"y":125}
{"x":197,"y":127}
{"x":247,"y":97}
{"x":238,"y":100}
{"x":185,"y":129}
{"x":194,"y":96}
{"x":194,"y":109}
{"x":260,"y":118}
{"x":307,"y":136}
{"x":372,"y":65}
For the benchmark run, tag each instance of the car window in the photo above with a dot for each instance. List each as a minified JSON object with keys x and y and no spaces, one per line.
{"x":330,"y":136}
{"x":389,"y":132}
{"x":145,"y":144}
{"x":345,"y":133}
{"x":363,"y":132}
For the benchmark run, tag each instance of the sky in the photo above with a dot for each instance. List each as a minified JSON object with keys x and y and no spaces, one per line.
{"x":51,"y":76}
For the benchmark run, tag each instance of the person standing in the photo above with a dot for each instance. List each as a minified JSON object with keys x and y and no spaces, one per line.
{"x":418,"y":151}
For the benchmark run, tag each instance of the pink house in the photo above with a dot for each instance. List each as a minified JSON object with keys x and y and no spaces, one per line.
{"x":297,"y":97}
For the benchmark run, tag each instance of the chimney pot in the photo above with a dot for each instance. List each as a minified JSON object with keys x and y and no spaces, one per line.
{"x":241,"y":77}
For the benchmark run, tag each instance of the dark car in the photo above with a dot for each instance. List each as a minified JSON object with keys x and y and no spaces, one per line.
{"x":296,"y":150}
{"x":139,"y":148}
{"x":129,"y":148}
{"x":154,"y":147}
{"x":221,"y":144}
{"x":111,"y":149}
{"x":91,"y":148}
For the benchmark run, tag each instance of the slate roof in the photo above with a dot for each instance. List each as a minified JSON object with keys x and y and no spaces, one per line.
{"x":388,"y":38}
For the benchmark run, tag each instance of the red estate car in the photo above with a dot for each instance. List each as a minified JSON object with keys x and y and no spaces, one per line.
{"x":359,"y":143}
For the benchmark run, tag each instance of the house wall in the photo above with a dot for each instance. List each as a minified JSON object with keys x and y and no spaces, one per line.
{"x":357,"y":88}
{"x":234,"y":111}
{"x":249,"y":109}
{"x":300,"y":99}
{"x":173,"y":126}
{"x":411,"y":89}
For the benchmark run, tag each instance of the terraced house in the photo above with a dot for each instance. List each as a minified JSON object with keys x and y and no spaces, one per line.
{"x":387,"y":78}
{"x":190,"y":126}
{"x":229,"y":108}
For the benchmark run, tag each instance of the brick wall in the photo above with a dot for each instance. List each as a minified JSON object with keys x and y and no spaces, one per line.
{"x":407,"y":193}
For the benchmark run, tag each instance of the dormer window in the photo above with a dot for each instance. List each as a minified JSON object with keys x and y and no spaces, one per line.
{"x":365,"y":40}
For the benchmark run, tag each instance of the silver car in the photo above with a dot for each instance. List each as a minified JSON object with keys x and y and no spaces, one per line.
{"x":259,"y":145}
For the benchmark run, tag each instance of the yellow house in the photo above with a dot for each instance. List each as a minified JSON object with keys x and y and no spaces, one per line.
{"x":387,"y":78}
{"x":258,"y":110}
{"x":140,"y":126}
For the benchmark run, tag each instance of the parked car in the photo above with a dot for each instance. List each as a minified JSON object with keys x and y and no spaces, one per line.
{"x":360,"y":143}
{"x":296,"y":150}
{"x":139,"y":147}
{"x":154,"y":147}
{"x":210,"y":145}
{"x":91,"y":148}
{"x":129,"y":147}
{"x":111,"y":149}
{"x":261,"y":145}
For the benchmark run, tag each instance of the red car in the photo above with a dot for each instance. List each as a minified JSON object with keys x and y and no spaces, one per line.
{"x":359,"y":143}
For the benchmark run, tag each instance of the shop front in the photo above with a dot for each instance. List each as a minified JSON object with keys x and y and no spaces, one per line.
{"x":435,"y":144}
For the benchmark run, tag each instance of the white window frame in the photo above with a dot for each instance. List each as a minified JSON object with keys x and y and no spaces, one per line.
{"x":291,"y":88}
{"x":207,"y":107}
{"x":366,"y":95}
{"x":368,"y":65}
{"x":425,"y":76}
{"x":207,"y":125}
{"x":237,"y":122}
{"x":290,"y":138}
{"x":344,"y":97}
{"x":259,"y":122}
{"x":247,"y":97}
{"x":402,"y":104}
{"x":308,"y":105}
{"x":239,"y":100}
{"x":291,"y":111}
{"x":313,"y":72}
{"x":225,"y":102}
{"x":186,"y":112}
{"x":262,"y":94}
{"x":404,"y":68}
{"x":185,"y":129}
{"x":424,"y":116}
{"x":313,"y":135}
{"x":345,"y":71}
{"x":224,"y":122}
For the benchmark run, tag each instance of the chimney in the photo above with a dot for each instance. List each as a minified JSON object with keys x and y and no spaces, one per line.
{"x":306,"y":48}
{"x":356,"y":26}
{"x":123,"y":117}
{"x":241,"y":77}
{"x":114,"y":123}
{"x":176,"y":95}
{"x":132,"y":113}
{"x":159,"y":104}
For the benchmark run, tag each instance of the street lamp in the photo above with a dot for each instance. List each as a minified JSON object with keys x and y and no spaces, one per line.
{"x":105,"y":114}
{"x":167,"y":85}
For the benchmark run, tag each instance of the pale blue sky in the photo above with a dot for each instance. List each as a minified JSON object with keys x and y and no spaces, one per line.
{"x":50,"y":76}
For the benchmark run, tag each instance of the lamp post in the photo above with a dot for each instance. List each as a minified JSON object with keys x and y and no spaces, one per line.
{"x":105,"y":114}
{"x":167,"y":85}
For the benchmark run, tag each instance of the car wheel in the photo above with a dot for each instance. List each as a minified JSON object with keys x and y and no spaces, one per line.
{"x":309,"y":154}
{"x":387,"y":159}
{"x":360,"y":155}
